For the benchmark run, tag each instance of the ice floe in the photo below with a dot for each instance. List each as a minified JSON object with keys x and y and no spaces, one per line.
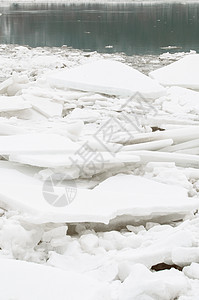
{"x":108,"y":77}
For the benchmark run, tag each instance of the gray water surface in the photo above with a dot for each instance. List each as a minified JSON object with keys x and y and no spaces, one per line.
{"x":129,"y":28}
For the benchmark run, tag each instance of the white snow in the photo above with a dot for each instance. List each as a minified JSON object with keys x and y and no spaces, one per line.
{"x":185,"y":256}
{"x":192,"y":271}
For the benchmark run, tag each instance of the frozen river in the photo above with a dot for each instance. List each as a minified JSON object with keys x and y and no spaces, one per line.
{"x":129,"y":28}
{"x":99,"y":163}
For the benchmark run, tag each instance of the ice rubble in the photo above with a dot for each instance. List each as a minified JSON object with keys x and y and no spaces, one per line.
{"x":142,"y":284}
{"x":57,"y":141}
{"x":153,"y":142}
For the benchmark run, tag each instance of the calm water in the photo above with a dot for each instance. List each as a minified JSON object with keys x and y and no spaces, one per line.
{"x":129,"y":28}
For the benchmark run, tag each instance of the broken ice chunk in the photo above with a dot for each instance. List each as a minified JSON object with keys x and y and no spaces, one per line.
{"x":36,"y":143}
{"x":108,"y":77}
{"x":184,"y":73}
{"x":13,"y":103}
{"x":44,"y":105}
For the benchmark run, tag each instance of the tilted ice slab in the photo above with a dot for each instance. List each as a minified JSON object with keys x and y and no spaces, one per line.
{"x":178,"y":135}
{"x":184,"y":73}
{"x":36,"y":143}
{"x":108,"y":77}
{"x":34,"y":281}
{"x":98,"y":161}
{"x":44,"y":105}
{"x":181,"y":159}
{"x":120,"y":195}
{"x":182,"y":146}
{"x":154,"y":145}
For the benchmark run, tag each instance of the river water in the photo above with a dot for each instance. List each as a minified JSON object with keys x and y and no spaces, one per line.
{"x":109,"y":28}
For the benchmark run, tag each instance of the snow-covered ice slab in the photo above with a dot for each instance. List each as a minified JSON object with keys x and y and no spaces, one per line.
{"x":36,"y":143}
{"x":108,"y":77}
{"x":184,"y":73}
{"x":34,"y":281}
{"x":14,"y":103}
{"x":120,"y":195}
